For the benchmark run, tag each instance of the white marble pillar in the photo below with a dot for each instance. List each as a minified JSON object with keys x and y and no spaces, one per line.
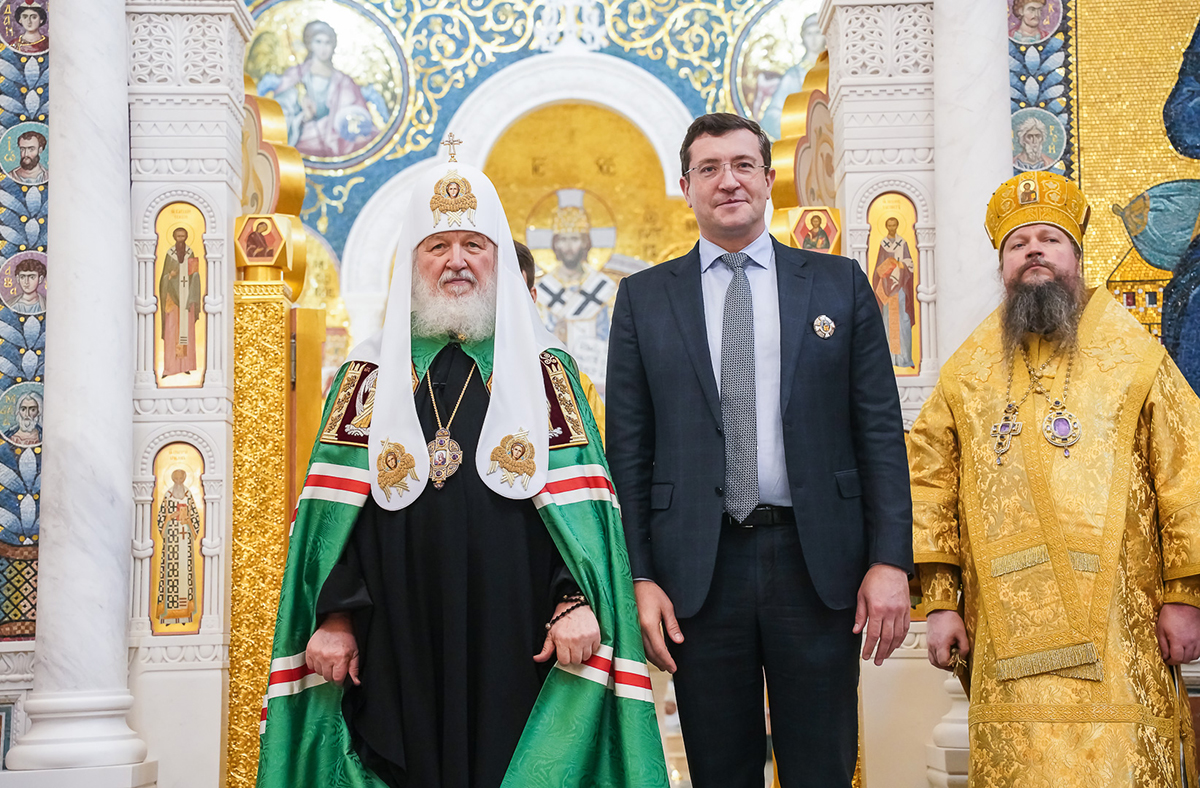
{"x":80,"y":694}
{"x":973,"y":151}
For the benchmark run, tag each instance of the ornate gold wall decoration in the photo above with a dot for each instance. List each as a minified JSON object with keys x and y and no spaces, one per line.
{"x":449,"y":42}
{"x":1125,"y":73}
{"x":411,"y":63}
{"x":706,"y":44}
{"x":270,"y":249}
{"x":261,"y":472}
{"x":340,"y":192}
{"x":574,"y":146}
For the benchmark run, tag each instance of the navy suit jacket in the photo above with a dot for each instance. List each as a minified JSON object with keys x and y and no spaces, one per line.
{"x":843,"y":433}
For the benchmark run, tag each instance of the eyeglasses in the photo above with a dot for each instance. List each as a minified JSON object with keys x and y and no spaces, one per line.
{"x":740,"y":169}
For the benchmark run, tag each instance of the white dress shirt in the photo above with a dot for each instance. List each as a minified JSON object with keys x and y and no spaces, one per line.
{"x":715,"y":277}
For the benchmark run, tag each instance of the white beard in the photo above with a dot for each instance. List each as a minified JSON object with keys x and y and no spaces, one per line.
{"x":436,"y":313}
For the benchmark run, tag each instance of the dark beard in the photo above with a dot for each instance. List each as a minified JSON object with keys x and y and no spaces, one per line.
{"x":1049,"y":308}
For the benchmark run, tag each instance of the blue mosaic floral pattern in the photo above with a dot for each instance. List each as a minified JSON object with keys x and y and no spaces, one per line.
{"x":24,"y":164}
{"x":1039,"y":90}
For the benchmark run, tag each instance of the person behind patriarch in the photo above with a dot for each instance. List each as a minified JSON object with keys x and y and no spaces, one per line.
{"x":1055,"y":477}
{"x":456,"y":535}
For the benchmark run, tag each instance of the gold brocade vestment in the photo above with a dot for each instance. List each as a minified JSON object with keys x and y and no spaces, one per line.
{"x":1065,"y":561}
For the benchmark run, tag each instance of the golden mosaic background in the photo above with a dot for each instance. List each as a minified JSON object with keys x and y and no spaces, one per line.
{"x":1127,"y":58}
{"x":578,"y":146}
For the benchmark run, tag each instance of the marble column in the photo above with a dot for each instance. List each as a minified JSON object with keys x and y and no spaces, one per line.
{"x":973,"y":151}
{"x":80,"y":694}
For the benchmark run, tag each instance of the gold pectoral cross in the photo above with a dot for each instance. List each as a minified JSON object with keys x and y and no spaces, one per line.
{"x":1004,"y":431}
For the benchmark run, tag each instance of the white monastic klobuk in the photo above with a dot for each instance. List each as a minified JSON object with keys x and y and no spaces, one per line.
{"x":518,"y":398}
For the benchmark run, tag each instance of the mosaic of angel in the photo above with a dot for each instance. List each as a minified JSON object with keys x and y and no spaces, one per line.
{"x":328,"y":114}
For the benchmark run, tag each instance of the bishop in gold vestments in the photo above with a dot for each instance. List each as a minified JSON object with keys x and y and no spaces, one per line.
{"x":1056,"y":482}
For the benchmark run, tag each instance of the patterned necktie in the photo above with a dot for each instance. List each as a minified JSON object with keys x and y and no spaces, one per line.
{"x":737,"y":392}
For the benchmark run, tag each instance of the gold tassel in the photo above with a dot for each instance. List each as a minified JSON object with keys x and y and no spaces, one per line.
{"x":1092,"y":671}
{"x":1045,"y":661}
{"x":1085,"y":562}
{"x":1022,"y":559}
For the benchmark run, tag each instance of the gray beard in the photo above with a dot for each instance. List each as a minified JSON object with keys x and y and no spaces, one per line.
{"x":470,"y":317}
{"x":1050,"y":309}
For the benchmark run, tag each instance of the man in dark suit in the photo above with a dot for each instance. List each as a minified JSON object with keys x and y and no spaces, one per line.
{"x":757,"y":449}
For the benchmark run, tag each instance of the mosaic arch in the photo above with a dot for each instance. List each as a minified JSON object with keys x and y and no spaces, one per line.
{"x":360,"y":114}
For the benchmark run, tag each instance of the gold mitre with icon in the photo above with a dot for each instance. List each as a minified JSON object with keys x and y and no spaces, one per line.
{"x":1037,"y":198}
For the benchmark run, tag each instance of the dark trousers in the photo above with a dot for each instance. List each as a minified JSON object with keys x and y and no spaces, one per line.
{"x":763,"y":614}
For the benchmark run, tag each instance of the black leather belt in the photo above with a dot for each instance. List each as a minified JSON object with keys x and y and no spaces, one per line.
{"x":763,"y":514}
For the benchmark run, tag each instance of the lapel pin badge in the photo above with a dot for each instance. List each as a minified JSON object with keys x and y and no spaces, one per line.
{"x":824,"y":327}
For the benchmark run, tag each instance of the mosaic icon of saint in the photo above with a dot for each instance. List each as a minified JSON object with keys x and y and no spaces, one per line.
{"x":816,"y":237}
{"x":576,"y":293}
{"x":178,"y":525}
{"x":31,"y":16}
{"x":28,"y":431}
{"x":31,"y":280}
{"x":326,"y":112}
{"x":571,"y":243}
{"x":892,"y":282}
{"x":30,"y":144}
{"x":1032,"y":23}
{"x":1031,"y":136}
{"x":179,"y":299}
{"x":257,"y":244}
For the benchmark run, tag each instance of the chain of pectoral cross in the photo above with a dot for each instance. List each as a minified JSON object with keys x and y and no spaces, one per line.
{"x":1008,"y":427}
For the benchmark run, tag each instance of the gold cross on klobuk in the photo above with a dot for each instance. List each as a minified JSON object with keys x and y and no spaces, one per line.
{"x":452,"y":142}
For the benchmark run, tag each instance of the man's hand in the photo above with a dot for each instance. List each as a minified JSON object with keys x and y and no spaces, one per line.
{"x":944,"y":630}
{"x":575,"y":636}
{"x":655,"y":611}
{"x":332,"y":650}
{"x":882,"y":611}
{"x":1179,"y":633}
